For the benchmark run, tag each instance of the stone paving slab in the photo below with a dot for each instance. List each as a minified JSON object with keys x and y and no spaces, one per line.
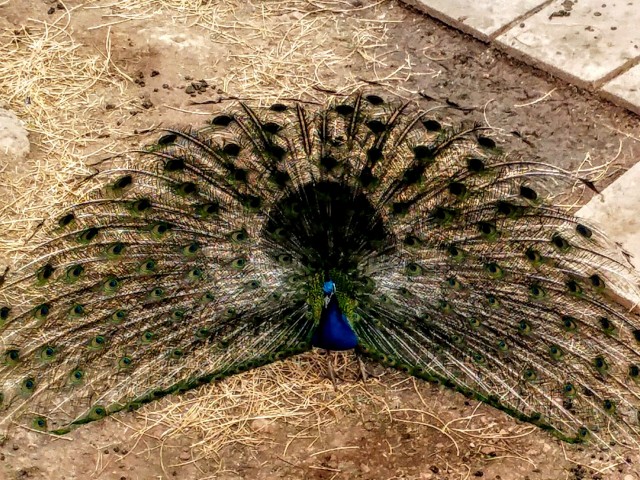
{"x":616,"y":209}
{"x":479,"y":18}
{"x":592,"y":43}
{"x":585,"y":43}
{"x":625,"y":89}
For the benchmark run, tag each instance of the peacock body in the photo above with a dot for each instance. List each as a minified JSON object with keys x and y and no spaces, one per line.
{"x":363,"y":224}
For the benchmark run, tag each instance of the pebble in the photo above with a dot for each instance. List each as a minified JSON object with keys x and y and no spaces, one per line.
{"x":14,"y":141}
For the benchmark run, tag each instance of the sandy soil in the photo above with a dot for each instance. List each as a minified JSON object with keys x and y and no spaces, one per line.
{"x":89,"y":77}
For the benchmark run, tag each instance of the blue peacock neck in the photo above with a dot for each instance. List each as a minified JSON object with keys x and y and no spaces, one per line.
{"x":334,"y":332}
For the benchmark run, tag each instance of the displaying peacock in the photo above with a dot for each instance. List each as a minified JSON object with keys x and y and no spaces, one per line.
{"x":361,"y":225}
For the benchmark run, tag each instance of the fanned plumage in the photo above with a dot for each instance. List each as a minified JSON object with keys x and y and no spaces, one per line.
{"x":272,"y":230}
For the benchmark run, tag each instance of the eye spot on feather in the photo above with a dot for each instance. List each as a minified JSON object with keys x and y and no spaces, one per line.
{"x":191,"y":249}
{"x":376,"y":126}
{"x":569,"y":390}
{"x":45,"y":273}
{"x":156,"y":294}
{"x":4,"y":314}
{"x":110,"y":286}
{"x":239,"y":263}
{"x":374,"y":155}
{"x":11,"y":357}
{"x":529,"y":374}
{"x":374,"y":100}
{"x":556,"y":352}
{"x":118,"y":317}
{"x":88,"y":235}
{"x":601,"y":364}
{"x":445,"y":307}
{"x":221,"y":120}
{"x":455,"y":253}
{"x":534,"y":257}
{"x":231,"y":149}
{"x":569,"y":324}
{"x":574,"y":287}
{"x":560,"y":243}
{"x":487,"y":230}
{"x":475,"y":165}
{"x":454,"y":284}
{"x":432,"y":125}
{"x":121,"y":184}
{"x":125,"y":363}
{"x":174,"y":165}
{"x":528,"y":193}
{"x":457,"y":189}
{"x":597,"y":282}
{"x":423,"y":154}
{"x":147,"y":337}
{"x":486,"y":142}
{"x":97,"y":343}
{"x":77,"y":311}
{"x":186,"y":189}
{"x":137,"y":207}
{"x":167,"y":139}
{"x":42,"y":311}
{"x":583,"y":434}
{"x":66,"y":220}
{"x":27,"y":386}
{"x":584,"y":231}
{"x":252,"y":203}
{"x":537,"y":292}
{"x":47,"y":353}
{"x":271,"y":128}
{"x":494,"y":270}
{"x":524,"y":327}
{"x":344,"y":109}
{"x":328,"y":163}
{"x":609,"y":406}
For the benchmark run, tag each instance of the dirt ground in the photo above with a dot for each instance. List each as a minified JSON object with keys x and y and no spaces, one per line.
{"x":89,"y":78}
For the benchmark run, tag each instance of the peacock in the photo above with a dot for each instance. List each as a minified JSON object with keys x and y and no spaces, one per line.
{"x":360,"y":224}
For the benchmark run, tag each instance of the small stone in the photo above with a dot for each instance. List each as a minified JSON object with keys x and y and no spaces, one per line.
{"x":190,"y":89}
{"x":185,"y":456}
{"x":51,"y":11}
{"x":188,"y":77}
{"x":147,"y":104}
{"x":14,"y":140}
{"x":165,"y":86}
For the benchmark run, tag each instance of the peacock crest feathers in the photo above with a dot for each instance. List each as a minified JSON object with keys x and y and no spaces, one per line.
{"x":205,"y":255}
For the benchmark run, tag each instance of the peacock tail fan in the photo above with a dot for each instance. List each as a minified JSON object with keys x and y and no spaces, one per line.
{"x":365,"y":224}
